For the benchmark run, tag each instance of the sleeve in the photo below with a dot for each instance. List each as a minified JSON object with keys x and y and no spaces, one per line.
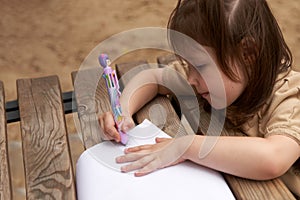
{"x":284,"y":118}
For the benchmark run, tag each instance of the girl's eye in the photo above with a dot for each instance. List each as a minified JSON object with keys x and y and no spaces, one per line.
{"x":197,"y":68}
{"x":200,"y":66}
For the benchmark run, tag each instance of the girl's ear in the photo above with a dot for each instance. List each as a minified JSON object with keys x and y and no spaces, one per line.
{"x":249,"y":50}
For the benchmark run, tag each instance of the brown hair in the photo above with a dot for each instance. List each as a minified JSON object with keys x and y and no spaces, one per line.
{"x":244,"y":31}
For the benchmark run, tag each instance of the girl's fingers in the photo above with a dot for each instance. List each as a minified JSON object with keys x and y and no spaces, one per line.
{"x":104,"y":135}
{"x":129,"y":157}
{"x":137,"y":148}
{"x":137,"y":164}
{"x":150,"y":167}
{"x":141,"y":173}
{"x":158,"y":140}
{"x":108,"y":125}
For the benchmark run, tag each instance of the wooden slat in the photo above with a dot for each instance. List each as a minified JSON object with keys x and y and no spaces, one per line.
{"x":5,"y":181}
{"x":250,"y":189}
{"x":92,"y":100}
{"x":159,"y":110}
{"x":47,"y":160}
{"x":242,"y":188}
{"x":163,"y":116}
{"x":166,"y":60}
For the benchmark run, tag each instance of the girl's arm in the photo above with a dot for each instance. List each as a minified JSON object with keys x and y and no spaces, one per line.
{"x":248,"y":157}
{"x":141,"y":89}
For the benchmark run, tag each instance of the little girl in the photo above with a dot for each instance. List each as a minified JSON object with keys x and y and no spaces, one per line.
{"x":262,"y":94}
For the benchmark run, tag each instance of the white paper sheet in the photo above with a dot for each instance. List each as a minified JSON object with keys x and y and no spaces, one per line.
{"x":98,"y":176}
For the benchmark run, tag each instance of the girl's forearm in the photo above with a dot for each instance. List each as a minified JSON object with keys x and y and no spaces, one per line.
{"x":132,"y":102}
{"x":140,"y":90}
{"x":248,"y":157}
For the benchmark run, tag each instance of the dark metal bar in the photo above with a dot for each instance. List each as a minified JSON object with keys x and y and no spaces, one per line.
{"x":69,"y":102}
{"x":12,"y":107}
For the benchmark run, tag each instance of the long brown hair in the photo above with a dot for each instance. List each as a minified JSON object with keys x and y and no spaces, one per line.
{"x":244,"y":31}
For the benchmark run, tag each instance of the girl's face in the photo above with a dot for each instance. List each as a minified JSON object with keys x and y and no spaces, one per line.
{"x":212,"y":84}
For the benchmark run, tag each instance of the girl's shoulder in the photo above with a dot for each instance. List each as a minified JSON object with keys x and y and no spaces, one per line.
{"x":286,"y":83}
{"x":290,"y":73}
{"x":281,"y":113}
{"x":285,"y":90}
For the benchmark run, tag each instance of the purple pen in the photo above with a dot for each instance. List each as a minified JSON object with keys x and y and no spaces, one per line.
{"x":112,"y":85}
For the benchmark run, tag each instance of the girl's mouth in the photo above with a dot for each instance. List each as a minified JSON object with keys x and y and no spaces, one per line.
{"x":204,"y":94}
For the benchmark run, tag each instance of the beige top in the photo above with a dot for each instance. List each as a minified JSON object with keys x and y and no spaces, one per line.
{"x":279,"y":116}
{"x":281,"y":113}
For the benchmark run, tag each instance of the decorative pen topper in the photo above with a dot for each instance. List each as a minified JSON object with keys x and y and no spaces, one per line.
{"x":112,"y":85}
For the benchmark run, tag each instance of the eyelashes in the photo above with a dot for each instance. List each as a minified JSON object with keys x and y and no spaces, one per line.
{"x":197,"y":67}
{"x":201,"y":66}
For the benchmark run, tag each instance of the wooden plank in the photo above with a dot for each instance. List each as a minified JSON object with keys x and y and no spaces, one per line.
{"x":92,"y":100}
{"x":242,"y":188}
{"x":5,"y":180}
{"x":166,"y":60}
{"x":47,"y":160}
{"x":161,"y":113}
{"x":159,"y":110}
{"x":251,"y":189}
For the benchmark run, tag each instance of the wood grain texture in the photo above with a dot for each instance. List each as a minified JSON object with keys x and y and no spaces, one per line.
{"x":161,"y":113}
{"x":5,"y":180}
{"x":250,"y":189}
{"x":242,"y":188}
{"x":166,"y":60}
{"x":92,"y":100}
{"x":48,"y":166}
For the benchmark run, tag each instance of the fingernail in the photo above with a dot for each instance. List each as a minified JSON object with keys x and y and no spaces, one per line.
{"x":123,"y":169}
{"x":138,"y":174}
{"x":125,"y":128}
{"x":117,"y":139}
{"x":118,"y":159}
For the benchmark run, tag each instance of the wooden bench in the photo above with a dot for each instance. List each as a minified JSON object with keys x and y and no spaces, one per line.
{"x":46,"y":149}
{"x":5,"y":181}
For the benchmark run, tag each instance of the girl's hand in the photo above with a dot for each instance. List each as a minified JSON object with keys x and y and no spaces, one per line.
{"x":148,"y":158}
{"x":107,"y":123}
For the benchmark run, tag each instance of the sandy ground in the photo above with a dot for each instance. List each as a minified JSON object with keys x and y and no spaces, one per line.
{"x":40,"y":38}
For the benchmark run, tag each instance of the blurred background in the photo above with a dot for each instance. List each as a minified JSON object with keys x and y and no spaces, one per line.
{"x":52,"y":37}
